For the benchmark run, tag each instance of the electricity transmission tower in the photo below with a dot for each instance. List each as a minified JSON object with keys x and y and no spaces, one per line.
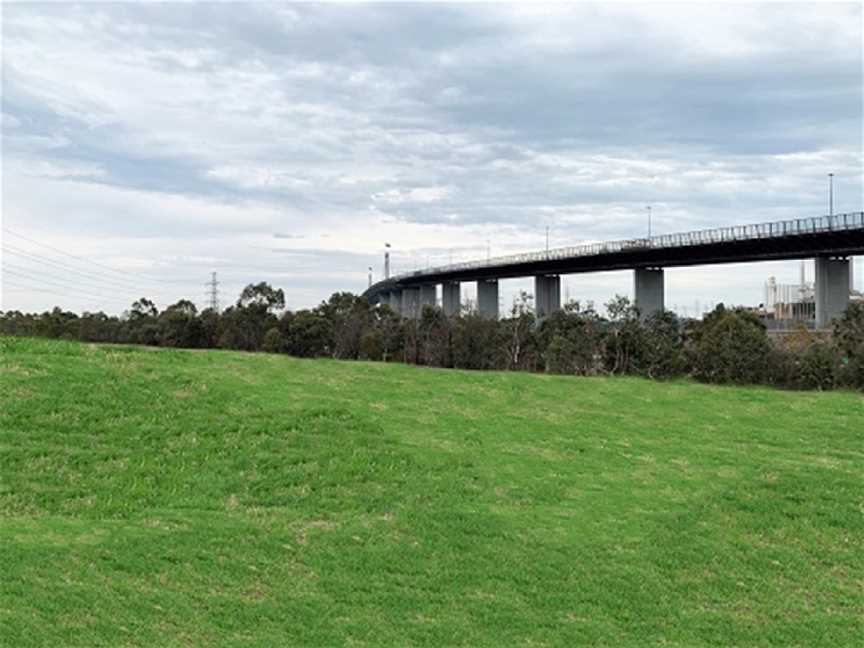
{"x":213,"y":293}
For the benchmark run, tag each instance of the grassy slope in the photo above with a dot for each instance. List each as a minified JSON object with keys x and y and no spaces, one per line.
{"x":214,"y":498}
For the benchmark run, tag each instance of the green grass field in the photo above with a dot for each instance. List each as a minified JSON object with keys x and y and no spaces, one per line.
{"x":183,"y":498}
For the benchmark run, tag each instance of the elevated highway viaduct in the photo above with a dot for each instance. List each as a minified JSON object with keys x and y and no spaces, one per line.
{"x":830,"y":240}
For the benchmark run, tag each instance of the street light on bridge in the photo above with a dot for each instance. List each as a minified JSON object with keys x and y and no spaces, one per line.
{"x":648,"y":207}
{"x":386,"y":260}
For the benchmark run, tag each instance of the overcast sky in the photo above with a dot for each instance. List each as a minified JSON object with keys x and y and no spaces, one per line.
{"x":287,"y":143}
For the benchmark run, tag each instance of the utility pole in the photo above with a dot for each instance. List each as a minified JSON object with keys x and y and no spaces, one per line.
{"x":830,"y":194}
{"x":547,"y":239}
{"x":648,"y":207}
{"x":213,"y":294}
{"x":370,"y":276}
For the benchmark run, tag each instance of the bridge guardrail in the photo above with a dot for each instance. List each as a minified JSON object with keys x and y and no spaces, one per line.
{"x":794,"y":227}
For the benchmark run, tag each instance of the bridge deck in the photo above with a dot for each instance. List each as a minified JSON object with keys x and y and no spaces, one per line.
{"x":840,"y":234}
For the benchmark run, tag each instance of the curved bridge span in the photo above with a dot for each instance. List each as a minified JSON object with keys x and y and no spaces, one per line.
{"x":830,"y":240}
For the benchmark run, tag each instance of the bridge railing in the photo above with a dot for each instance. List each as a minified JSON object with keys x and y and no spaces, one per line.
{"x":777,"y":229}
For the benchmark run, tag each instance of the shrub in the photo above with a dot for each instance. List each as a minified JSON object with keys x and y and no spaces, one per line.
{"x":849,"y":342}
{"x":581,"y":346}
{"x":729,"y":346}
{"x":817,"y":367}
{"x":561,"y":356}
{"x":273,"y":341}
{"x":625,"y":337}
{"x":662,"y":355}
{"x":474,"y":342}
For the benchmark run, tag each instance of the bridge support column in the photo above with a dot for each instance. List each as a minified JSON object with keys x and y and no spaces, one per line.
{"x":395,"y":301}
{"x":410,"y":302}
{"x":487,"y":298}
{"x":832,"y":288}
{"x":547,"y":294}
{"x":451,"y":298}
{"x":648,"y":289}
{"x":428,"y":296}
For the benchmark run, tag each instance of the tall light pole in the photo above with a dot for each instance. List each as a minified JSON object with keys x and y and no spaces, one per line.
{"x":648,"y":207}
{"x":830,"y":194}
{"x":386,"y":260}
{"x":370,"y":276}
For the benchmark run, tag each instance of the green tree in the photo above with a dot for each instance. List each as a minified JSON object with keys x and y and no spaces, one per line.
{"x":517,"y":341}
{"x":243,"y":326}
{"x":474,"y":342}
{"x":729,"y":346}
{"x":141,"y":320}
{"x":662,"y":355}
{"x":273,"y":342}
{"x":582,"y":340}
{"x":849,"y":342}
{"x":625,"y":338}
{"x":349,"y":317}
{"x":179,"y":326}
{"x":262,"y":296}
{"x":389,"y":330}
{"x":310,"y":335}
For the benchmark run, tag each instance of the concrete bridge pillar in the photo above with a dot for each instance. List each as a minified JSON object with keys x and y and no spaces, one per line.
{"x":547,"y":294}
{"x":411,"y":302}
{"x":648,"y":289}
{"x":832,"y":288}
{"x":395,"y":301}
{"x":451,"y":298}
{"x":428,"y":296}
{"x":487,"y":298}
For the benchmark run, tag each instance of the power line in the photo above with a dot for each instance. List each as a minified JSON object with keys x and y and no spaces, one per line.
{"x":137,"y":276}
{"x":69,"y":290}
{"x":21,"y":288}
{"x":120,"y":282}
{"x":72,"y":286}
{"x":92,"y":282}
{"x":92,"y":276}
{"x":85,"y":259}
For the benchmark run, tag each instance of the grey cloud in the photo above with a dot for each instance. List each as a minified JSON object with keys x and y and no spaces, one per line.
{"x":262,"y":118}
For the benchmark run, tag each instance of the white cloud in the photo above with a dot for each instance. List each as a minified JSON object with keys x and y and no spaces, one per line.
{"x":412,"y":195}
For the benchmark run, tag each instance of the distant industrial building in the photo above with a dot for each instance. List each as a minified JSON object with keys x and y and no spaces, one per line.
{"x":789,"y":305}
{"x":790,"y":302}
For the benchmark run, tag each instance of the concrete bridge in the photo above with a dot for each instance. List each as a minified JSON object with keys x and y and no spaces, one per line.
{"x":830,"y":240}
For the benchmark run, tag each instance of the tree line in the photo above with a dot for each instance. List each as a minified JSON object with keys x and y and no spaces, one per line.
{"x":729,"y":345}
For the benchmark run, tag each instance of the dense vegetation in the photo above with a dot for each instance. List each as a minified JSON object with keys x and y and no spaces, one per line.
{"x":727,"y":346}
{"x":156,"y":497}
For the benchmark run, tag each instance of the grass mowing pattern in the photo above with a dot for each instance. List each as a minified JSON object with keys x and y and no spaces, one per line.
{"x":176,"y":498}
